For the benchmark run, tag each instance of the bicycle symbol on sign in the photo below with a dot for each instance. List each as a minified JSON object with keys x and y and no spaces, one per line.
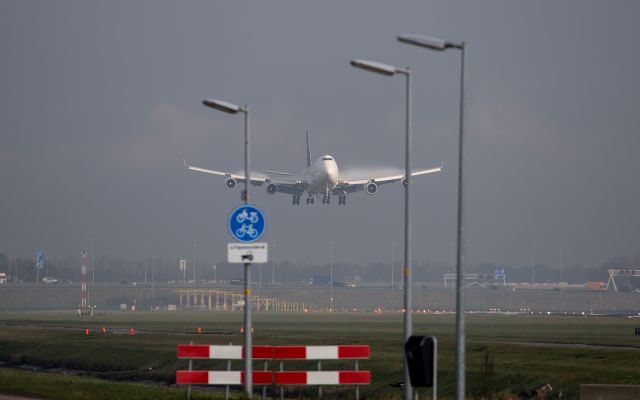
{"x":244,"y":216}
{"x":248,"y":230}
{"x":246,"y":223}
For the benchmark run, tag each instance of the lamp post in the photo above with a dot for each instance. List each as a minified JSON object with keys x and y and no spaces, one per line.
{"x":393,"y":257}
{"x":389,"y":70}
{"x":231,"y":108}
{"x":273,"y":259}
{"x":194,"y":261}
{"x":441,"y":45}
{"x":331,"y":277}
{"x":93,"y":268}
{"x":146,"y":263}
{"x":153,"y":283}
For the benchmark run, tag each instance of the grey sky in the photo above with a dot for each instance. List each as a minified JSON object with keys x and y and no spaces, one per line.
{"x":100,"y":101}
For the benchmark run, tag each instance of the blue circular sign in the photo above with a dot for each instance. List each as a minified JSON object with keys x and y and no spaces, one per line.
{"x":246,"y":223}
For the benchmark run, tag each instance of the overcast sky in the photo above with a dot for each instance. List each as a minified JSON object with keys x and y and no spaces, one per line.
{"x":100,"y":101}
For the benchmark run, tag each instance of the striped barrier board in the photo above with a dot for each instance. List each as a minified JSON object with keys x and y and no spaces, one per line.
{"x":275,"y":353}
{"x":221,"y":378}
{"x":223,"y":352}
{"x":323,"y":378}
{"x":321,"y":352}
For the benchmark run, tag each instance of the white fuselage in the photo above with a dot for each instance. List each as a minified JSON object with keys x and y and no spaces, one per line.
{"x":322,"y":175}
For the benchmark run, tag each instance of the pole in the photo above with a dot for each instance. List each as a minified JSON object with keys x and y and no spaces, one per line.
{"x":533,"y":262}
{"x":10,"y":258}
{"x":273,"y":259}
{"x":460,"y":327}
{"x":194,"y":262}
{"x":153,"y":284}
{"x":562,"y":280}
{"x":331,"y":266}
{"x":146,"y":257}
{"x":408,"y":390}
{"x":93,"y":268}
{"x":393,"y":256}
{"x":248,"y":381}
{"x":84,"y":298}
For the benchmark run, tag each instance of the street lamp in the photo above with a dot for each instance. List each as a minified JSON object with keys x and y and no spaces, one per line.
{"x":146,"y":264}
{"x":441,"y":45}
{"x":153,"y":283}
{"x":331,"y":278}
{"x":93,"y":268}
{"x":231,"y":108}
{"x":389,"y":70}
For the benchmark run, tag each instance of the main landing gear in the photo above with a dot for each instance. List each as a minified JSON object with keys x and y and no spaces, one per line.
{"x":342,"y":199}
{"x":326,"y":199}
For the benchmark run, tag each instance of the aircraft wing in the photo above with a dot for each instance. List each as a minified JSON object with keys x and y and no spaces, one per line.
{"x":256,"y":181}
{"x":354,"y":185}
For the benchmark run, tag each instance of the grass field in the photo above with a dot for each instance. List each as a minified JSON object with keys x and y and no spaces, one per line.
{"x":504,"y":352}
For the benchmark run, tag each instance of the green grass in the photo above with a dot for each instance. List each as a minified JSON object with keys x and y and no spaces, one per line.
{"x":55,"y":386}
{"x":56,"y":339}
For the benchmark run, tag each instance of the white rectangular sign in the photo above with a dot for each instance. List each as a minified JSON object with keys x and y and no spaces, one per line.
{"x":183,"y":264}
{"x":240,"y":253}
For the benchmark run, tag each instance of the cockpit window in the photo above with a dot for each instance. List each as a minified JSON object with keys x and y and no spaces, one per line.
{"x":326,"y":158}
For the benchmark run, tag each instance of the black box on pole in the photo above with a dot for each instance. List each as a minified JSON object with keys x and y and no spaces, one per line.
{"x":421,"y":353}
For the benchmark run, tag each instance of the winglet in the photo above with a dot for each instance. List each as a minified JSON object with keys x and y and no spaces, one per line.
{"x":185,"y":163}
{"x":442,"y":165}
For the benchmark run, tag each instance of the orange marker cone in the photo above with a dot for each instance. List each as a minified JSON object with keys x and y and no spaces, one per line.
{"x":86,"y":332}
{"x":199,"y":330}
{"x":131,"y":332}
{"x":104,"y":330}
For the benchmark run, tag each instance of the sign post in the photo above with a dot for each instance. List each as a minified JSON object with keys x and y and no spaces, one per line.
{"x":84,"y":261}
{"x":246,"y":224}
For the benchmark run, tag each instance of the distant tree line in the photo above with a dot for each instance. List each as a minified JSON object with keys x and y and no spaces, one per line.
{"x":109,"y":269}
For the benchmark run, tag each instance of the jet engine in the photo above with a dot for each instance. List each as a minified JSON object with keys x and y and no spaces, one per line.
{"x":230,"y":183}
{"x":372,"y":188}
{"x":272,"y":188}
{"x":404,"y":183}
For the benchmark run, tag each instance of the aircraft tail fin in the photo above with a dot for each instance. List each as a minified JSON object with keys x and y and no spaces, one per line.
{"x":308,"y":151}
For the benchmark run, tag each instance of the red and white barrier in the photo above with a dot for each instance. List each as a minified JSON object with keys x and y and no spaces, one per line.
{"x":323,"y":378}
{"x":274,"y":353}
{"x":223,"y":352}
{"x":279,"y":353}
{"x":320,"y":352}
{"x":221,"y":378}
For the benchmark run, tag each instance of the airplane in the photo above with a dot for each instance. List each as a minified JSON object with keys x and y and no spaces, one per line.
{"x":319,"y":179}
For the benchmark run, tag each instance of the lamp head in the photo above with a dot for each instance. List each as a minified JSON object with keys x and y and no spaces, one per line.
{"x":376,"y":67}
{"x":425,"y":41}
{"x":222,"y":106}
